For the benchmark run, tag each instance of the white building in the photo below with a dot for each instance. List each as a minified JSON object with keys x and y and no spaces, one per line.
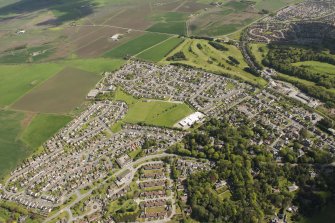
{"x":191,"y":119}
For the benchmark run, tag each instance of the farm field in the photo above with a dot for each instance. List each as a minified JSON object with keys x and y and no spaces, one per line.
{"x":42,"y":127}
{"x":200,"y":54}
{"x":17,"y":80}
{"x":137,"y":45}
{"x":12,"y":151}
{"x":158,"y":52}
{"x":153,"y":112}
{"x":25,"y":55}
{"x":232,"y":16}
{"x":171,"y":22}
{"x":320,"y":67}
{"x":59,"y":94}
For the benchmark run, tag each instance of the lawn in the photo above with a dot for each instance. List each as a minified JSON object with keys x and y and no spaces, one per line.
{"x":12,"y":151}
{"x":43,"y":127}
{"x":316,"y":66}
{"x":137,"y":45}
{"x":153,"y":112}
{"x":201,"y":55}
{"x":60,"y":94}
{"x":158,"y":52}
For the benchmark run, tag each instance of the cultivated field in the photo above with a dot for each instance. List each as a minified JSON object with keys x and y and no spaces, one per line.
{"x":137,"y":45}
{"x":158,"y":52}
{"x":16,"y":80}
{"x":231,"y":16}
{"x":42,"y":127}
{"x":12,"y":151}
{"x":60,"y":94}
{"x":172,"y":22}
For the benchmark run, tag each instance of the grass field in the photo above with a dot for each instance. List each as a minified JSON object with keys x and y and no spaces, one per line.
{"x":316,"y":66}
{"x":157,"y":53}
{"x":213,"y":60}
{"x":170,"y":22}
{"x":291,"y":79}
{"x":12,"y":151}
{"x":43,"y":127}
{"x":16,"y":80}
{"x":137,"y":45}
{"x":25,"y":55}
{"x":153,"y":112}
{"x":259,"y":50}
{"x":59,"y":94}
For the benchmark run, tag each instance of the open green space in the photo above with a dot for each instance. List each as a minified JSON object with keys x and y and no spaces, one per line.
{"x":124,"y":210}
{"x":137,"y":45}
{"x":158,"y":52}
{"x":199,"y":54}
{"x":259,"y":50}
{"x":59,"y":94}
{"x":12,"y":151}
{"x":42,"y":127}
{"x":316,"y":66}
{"x":153,"y":112}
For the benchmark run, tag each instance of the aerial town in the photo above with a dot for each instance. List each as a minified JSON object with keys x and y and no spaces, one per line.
{"x":86,"y":156}
{"x":164,"y":141}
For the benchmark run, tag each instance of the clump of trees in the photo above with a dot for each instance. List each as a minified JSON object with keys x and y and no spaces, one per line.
{"x":177,"y":56}
{"x":251,"y":173}
{"x":282,"y":58}
{"x":218,"y":46}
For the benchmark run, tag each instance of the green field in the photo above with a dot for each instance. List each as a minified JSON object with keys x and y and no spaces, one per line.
{"x":137,"y":45}
{"x":259,"y":50}
{"x":213,"y":60}
{"x":158,"y":52}
{"x":16,"y":80}
{"x":153,"y":112}
{"x":43,"y":127}
{"x":59,"y":94}
{"x":170,"y":22}
{"x":316,"y":66}
{"x":26,"y":55}
{"x":12,"y":151}
{"x":292,"y":79}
